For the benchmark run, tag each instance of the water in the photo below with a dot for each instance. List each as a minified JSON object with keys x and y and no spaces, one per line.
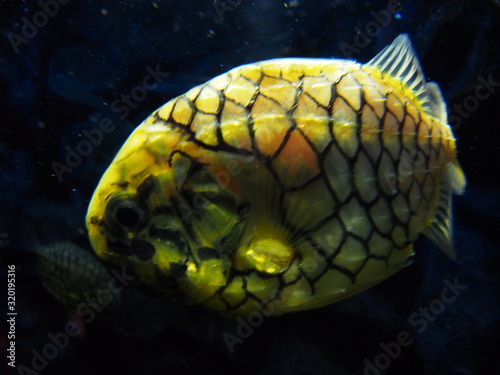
{"x":75,"y":80}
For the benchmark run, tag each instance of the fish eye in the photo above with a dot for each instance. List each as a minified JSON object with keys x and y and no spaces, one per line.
{"x":125,"y":214}
{"x":128,"y":216}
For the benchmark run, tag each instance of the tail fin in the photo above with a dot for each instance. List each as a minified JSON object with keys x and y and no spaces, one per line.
{"x":440,"y":230}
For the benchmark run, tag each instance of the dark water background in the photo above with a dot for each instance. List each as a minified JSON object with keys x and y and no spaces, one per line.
{"x":60,"y":79}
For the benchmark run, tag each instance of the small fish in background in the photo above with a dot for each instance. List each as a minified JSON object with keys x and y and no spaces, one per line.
{"x":283,"y":185}
{"x":72,"y":274}
{"x":77,"y":279}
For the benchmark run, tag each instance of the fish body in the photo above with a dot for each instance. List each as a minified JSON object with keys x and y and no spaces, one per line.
{"x":283,"y":185}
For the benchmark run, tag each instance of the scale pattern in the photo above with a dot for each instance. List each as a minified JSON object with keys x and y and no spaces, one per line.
{"x":71,"y":274}
{"x":314,"y":176}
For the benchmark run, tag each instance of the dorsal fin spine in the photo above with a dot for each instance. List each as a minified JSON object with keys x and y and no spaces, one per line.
{"x":398,"y":60}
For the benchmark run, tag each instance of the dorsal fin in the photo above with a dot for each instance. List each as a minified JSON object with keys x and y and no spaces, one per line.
{"x":399,"y":60}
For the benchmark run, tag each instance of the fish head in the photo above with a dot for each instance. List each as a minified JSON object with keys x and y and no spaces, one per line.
{"x":150,"y":211}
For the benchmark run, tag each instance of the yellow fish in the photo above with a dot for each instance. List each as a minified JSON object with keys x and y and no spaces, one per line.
{"x":284,"y":185}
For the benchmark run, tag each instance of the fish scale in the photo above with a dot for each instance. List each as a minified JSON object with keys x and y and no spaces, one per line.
{"x":289,"y":184}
